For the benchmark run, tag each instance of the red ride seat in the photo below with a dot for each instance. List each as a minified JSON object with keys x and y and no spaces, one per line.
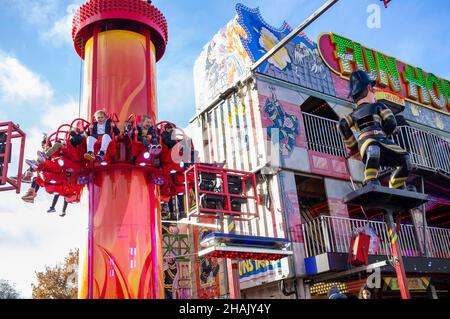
{"x":60,"y":174}
{"x":143,"y":156}
{"x":74,"y":154}
{"x":50,"y":166}
{"x":112,"y":147}
{"x":168,"y":189}
{"x":68,"y":166}
{"x":171,"y":159}
{"x":72,"y":192}
{"x":54,"y":189}
{"x":179,"y":183}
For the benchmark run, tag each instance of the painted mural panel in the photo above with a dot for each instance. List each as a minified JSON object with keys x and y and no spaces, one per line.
{"x":222,"y":62}
{"x":418,"y":114}
{"x":206,"y":269}
{"x":280,"y":114}
{"x":243,"y":41}
{"x":176,"y":261}
{"x":299,"y":62}
{"x":323,"y":66}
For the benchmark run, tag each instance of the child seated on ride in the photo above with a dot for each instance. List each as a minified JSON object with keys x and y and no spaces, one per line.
{"x":76,"y":138}
{"x":54,"y":202}
{"x":167,"y":137}
{"x":101,"y":127}
{"x":27,"y":176}
{"x":146,"y":132}
{"x":146,"y":135}
{"x":32,"y":193}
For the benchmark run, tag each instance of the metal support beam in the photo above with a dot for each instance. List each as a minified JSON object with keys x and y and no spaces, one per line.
{"x":398,"y":260}
{"x":420,"y":245}
{"x":313,"y":17}
{"x":424,"y":217}
{"x":234,"y":284}
{"x":433,"y":291}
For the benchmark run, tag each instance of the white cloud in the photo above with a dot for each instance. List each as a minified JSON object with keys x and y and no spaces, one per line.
{"x":53,"y":25}
{"x":61,"y":31}
{"x":35,"y":12}
{"x":19,"y":84}
{"x":54,"y":116}
{"x":30,"y":238}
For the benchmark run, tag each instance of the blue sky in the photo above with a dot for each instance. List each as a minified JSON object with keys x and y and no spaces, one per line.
{"x":39,"y":82}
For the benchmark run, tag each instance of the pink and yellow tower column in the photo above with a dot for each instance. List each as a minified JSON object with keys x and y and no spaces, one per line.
{"x":120,"y":42}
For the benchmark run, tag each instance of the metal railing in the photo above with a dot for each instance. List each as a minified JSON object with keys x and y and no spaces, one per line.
{"x":427,"y":150}
{"x":323,"y":136}
{"x":333,"y":234}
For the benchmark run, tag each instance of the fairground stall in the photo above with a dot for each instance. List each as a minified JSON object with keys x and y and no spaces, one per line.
{"x":280,"y":122}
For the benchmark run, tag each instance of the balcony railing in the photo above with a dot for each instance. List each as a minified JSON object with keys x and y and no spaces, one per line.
{"x":323,"y":135}
{"x":333,"y":234}
{"x":427,"y":150}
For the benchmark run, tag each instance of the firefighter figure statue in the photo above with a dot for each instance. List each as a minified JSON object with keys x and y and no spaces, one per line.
{"x":374,"y":124}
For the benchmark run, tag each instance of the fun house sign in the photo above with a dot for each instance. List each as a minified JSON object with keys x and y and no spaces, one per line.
{"x":343,"y":55}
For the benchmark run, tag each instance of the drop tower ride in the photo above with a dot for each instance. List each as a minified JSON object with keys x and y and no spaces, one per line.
{"x":120,"y":42}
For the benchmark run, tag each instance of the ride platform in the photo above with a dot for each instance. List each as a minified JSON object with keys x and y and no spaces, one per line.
{"x":390,"y":201}
{"x":233,"y":246}
{"x":383,"y":198}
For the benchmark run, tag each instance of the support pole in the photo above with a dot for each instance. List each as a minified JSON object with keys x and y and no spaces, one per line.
{"x":90,"y":293}
{"x":424,"y":217}
{"x":20,"y":169}
{"x":234,"y":284}
{"x":313,"y":17}
{"x":433,"y":291}
{"x":303,"y":289}
{"x":398,"y":261}
{"x":7,"y":155}
{"x":420,"y":244}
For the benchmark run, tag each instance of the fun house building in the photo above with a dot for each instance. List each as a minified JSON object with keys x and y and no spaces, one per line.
{"x":281,"y":123}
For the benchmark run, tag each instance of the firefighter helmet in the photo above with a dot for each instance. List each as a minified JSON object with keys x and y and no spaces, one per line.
{"x":359,"y":80}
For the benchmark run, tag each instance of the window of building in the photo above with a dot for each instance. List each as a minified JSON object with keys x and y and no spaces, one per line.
{"x":319,"y":107}
{"x":312,"y":197}
{"x":321,"y":127}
